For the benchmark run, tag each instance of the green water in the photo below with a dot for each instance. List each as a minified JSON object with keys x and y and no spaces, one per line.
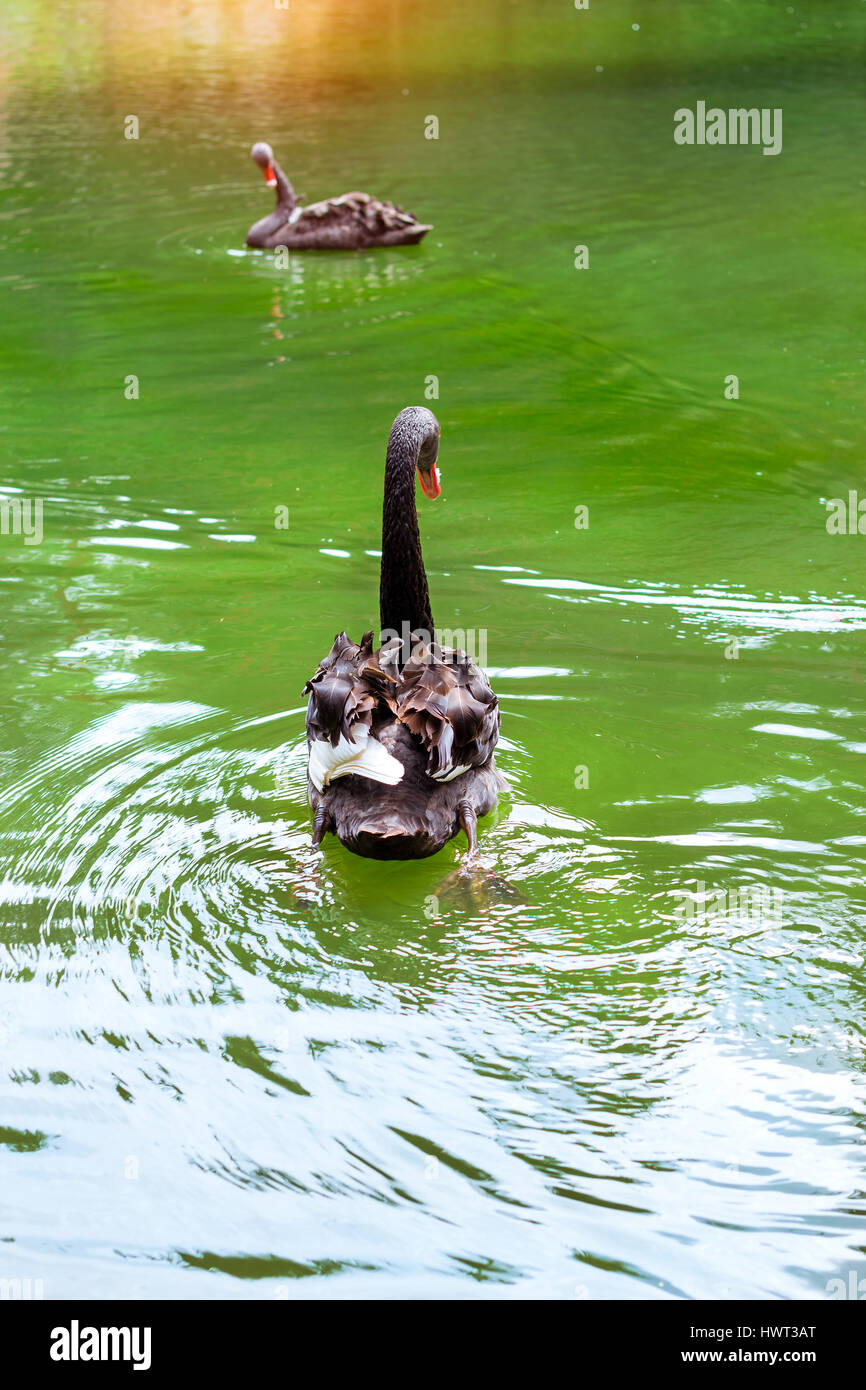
{"x":216,"y":1083}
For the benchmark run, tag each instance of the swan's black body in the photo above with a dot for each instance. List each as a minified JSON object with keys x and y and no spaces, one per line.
{"x":428,"y":708}
{"x":348,"y":223}
{"x":414,"y":819}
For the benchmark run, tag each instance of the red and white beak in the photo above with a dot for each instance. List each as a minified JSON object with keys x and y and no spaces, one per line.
{"x":270,"y":176}
{"x":430,"y":483}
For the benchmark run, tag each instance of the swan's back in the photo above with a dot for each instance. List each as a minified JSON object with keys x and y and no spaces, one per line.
{"x":413,"y":819}
{"x":425,"y":735}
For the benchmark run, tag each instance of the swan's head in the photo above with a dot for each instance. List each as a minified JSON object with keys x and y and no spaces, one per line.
{"x":428,"y":473}
{"x":419,"y":425}
{"x":264,"y":157}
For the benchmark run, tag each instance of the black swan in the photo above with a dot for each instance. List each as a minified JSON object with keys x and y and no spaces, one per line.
{"x":347,"y":223}
{"x":400,"y":740}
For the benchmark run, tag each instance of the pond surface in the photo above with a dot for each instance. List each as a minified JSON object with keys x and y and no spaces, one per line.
{"x":219,"y":1078}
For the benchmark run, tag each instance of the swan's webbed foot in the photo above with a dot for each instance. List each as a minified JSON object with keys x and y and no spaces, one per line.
{"x":472,"y":884}
{"x":306,"y":890}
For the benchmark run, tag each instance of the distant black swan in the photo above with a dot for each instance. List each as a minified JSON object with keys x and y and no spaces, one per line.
{"x":401,"y":739}
{"x":347,"y":223}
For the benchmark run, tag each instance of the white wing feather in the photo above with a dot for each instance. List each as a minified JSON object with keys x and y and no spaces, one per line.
{"x":365,"y":757}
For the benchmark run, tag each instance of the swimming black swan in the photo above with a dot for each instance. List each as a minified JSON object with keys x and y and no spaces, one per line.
{"x":401,"y":740}
{"x":347,"y":223}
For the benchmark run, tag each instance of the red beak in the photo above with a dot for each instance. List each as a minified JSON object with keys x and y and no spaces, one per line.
{"x":270,"y":176}
{"x":430,"y":485}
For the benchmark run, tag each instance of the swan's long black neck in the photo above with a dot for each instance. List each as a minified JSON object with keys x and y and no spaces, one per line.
{"x":286,"y":198}
{"x":403,"y":594}
{"x":260,"y":232}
